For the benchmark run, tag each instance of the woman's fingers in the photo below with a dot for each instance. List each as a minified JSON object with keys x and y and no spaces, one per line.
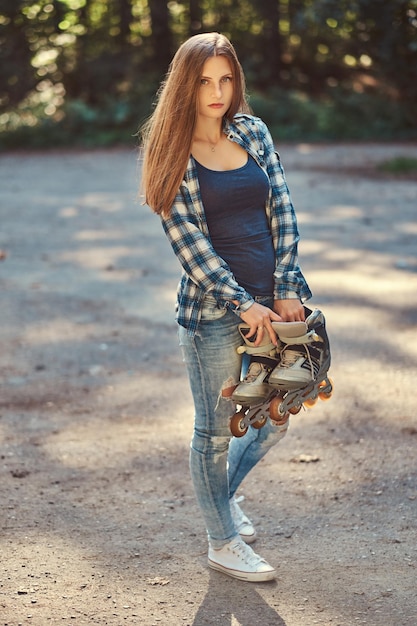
{"x":259,"y":318}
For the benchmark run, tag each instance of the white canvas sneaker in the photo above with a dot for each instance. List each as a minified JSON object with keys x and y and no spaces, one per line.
{"x":243,"y":524}
{"x":238,"y":560}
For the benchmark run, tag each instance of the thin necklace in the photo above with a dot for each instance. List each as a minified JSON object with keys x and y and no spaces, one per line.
{"x":213,"y":146}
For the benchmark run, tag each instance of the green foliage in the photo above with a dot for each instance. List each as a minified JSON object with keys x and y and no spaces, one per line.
{"x":84,"y":71}
{"x":399,"y":165}
{"x":296,"y":116}
{"x":80,"y":124}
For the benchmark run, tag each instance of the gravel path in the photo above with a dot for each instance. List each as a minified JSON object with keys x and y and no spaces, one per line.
{"x":99,"y":523}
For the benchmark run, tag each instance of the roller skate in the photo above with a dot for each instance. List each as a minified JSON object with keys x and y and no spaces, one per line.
{"x":254,"y":388}
{"x":283,"y":379}
{"x":265,"y":358}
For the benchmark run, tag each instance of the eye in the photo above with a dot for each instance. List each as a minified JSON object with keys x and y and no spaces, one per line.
{"x":226,"y":79}
{"x":204,"y":81}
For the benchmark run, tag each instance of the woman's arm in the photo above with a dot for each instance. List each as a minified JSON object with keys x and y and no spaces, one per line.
{"x":289,"y":282}
{"x":198,"y":257}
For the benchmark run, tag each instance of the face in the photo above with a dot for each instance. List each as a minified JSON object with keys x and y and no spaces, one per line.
{"x":216,"y":88}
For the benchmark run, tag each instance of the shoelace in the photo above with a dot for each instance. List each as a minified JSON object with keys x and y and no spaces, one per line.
{"x":238,"y":515}
{"x":253,"y":372}
{"x":290,"y":357}
{"x":246,"y":554}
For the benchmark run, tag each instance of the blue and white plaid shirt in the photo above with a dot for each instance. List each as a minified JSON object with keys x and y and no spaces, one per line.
{"x":186,"y":228}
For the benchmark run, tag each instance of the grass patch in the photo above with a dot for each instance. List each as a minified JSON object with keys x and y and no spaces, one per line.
{"x":399,"y":165}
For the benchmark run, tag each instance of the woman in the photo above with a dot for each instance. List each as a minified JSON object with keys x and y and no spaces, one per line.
{"x":211,"y":172}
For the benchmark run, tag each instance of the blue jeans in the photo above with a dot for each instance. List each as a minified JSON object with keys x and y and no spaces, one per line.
{"x":218,"y":461}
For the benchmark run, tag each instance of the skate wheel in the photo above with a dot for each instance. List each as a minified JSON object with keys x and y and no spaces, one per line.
{"x":294,"y":410}
{"x":325,"y":395}
{"x":259,"y":422}
{"x":275,"y":413}
{"x":237,"y":427}
{"x":310,"y":402}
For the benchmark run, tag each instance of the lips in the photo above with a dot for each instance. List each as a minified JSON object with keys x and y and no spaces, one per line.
{"x":216,"y":105}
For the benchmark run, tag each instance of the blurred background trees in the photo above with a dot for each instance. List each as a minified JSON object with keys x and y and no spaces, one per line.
{"x":85,"y":71}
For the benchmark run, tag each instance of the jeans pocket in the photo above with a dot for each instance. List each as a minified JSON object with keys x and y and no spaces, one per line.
{"x":265,"y":300}
{"x":211,"y":310}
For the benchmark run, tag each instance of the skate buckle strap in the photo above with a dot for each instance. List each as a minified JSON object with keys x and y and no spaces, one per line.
{"x":266,"y":347}
{"x":269,"y":349}
{"x":309,"y":337}
{"x":289,"y":329}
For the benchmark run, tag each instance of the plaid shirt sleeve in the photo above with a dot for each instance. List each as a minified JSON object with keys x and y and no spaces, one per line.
{"x":288,"y":279}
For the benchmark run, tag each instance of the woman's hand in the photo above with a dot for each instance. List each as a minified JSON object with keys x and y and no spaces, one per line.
{"x":259,"y":318}
{"x":290,"y":310}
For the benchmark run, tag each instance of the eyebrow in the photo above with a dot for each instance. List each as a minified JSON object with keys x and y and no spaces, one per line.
{"x":224,"y":76}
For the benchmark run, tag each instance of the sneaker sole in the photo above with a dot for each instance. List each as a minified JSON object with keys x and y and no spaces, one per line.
{"x":253,"y":577}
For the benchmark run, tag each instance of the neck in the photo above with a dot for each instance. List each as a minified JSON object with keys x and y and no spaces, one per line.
{"x":209,"y":133}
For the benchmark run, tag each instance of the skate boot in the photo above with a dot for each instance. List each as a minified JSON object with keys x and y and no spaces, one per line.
{"x":254,"y":388}
{"x":303,"y":357}
{"x":298,"y":380}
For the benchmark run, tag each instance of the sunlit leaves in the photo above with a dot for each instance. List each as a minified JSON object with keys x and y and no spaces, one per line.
{"x":53,"y":52}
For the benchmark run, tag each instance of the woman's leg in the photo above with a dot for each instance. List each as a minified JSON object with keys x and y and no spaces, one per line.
{"x":245,"y":452}
{"x":213,"y":365}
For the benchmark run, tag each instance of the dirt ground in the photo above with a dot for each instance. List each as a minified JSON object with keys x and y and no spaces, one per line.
{"x":98,"y":519}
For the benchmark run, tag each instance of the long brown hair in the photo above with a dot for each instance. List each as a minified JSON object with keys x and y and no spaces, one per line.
{"x":167,"y":135}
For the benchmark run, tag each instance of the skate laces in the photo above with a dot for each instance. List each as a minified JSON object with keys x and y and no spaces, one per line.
{"x":255,"y":368}
{"x":289,"y":358}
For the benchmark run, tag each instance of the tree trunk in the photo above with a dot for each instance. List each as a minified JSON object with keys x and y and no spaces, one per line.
{"x":125,"y":16}
{"x":272,"y":46}
{"x":161,"y":37}
{"x":196,"y":17}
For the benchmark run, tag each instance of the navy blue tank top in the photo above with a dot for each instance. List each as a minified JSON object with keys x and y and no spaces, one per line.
{"x":234,"y":204}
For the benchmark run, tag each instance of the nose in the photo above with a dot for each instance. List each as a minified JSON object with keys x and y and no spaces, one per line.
{"x":217,"y":90}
